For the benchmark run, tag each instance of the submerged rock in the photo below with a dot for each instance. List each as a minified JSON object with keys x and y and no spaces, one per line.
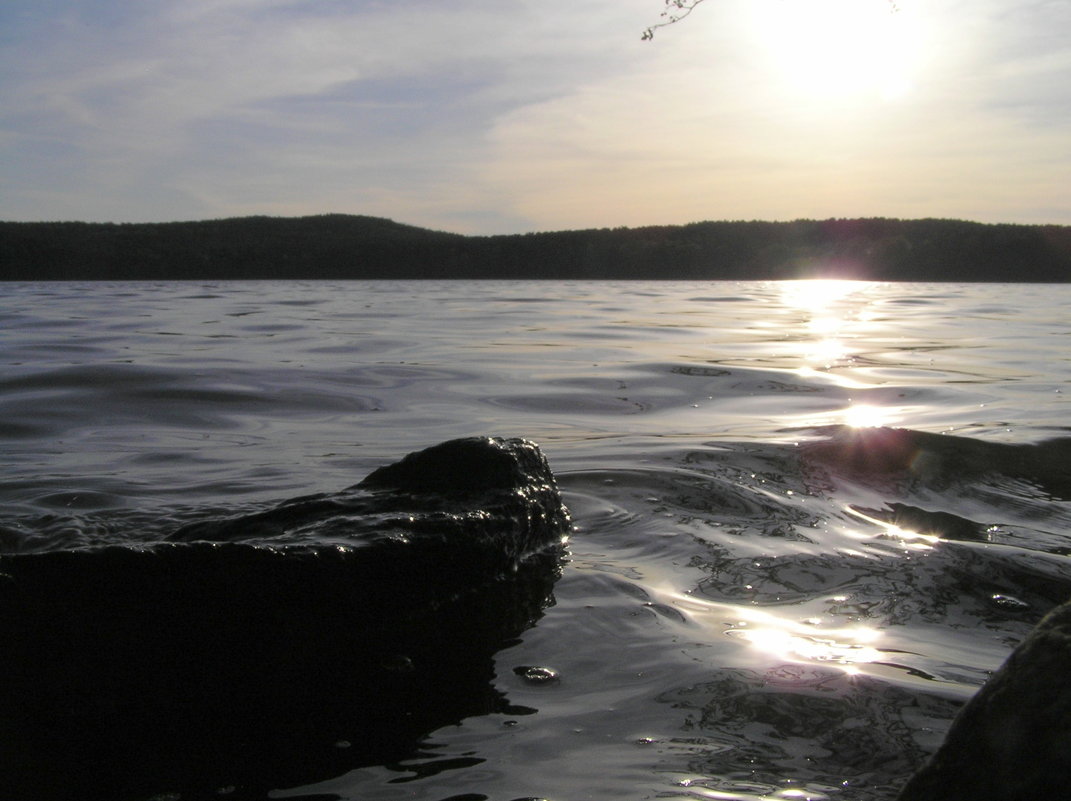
{"x":238,"y":653}
{"x":1012,"y":740}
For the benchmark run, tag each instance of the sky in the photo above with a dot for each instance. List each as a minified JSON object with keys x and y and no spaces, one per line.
{"x":485,"y":117}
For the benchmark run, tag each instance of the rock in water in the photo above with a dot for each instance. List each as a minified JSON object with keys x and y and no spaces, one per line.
{"x":1012,"y":741}
{"x":278,"y":648}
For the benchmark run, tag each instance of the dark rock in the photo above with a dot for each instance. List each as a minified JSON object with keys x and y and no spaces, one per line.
{"x":1012,"y":740}
{"x":239,"y":653}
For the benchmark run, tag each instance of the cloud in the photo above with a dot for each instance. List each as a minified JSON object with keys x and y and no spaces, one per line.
{"x":713,"y":131}
{"x":488,"y":117}
{"x":216,"y":99}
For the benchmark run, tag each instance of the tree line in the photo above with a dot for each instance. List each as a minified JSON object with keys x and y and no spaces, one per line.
{"x":339,"y":246}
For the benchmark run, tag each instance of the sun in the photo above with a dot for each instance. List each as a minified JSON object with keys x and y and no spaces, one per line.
{"x":837,"y":48}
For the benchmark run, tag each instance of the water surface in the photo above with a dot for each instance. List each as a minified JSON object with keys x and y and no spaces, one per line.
{"x":810,"y":518}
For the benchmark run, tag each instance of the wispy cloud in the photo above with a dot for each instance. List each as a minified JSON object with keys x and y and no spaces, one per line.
{"x":483,"y":116}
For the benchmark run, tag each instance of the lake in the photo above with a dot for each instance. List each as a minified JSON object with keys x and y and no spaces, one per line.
{"x":810,"y":518}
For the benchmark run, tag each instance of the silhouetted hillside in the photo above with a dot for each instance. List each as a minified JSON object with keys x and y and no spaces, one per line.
{"x":341,"y":246}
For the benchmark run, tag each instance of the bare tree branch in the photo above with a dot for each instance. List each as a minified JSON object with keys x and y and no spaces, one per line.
{"x":676,"y":10}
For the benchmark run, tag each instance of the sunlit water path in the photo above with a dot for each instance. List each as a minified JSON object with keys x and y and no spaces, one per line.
{"x":810,"y":517}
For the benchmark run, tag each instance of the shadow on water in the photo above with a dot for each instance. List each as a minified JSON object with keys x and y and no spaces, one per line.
{"x":234,"y":695}
{"x":276,"y":649}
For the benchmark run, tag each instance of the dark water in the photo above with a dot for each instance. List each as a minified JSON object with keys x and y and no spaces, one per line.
{"x":810,"y":518}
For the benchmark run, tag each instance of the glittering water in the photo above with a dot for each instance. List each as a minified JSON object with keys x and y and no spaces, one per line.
{"x":810,"y":516}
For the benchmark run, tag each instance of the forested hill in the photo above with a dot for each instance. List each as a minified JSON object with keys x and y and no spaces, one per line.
{"x":342,"y":246}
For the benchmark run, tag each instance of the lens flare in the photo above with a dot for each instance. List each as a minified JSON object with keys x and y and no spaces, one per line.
{"x":836,"y":48}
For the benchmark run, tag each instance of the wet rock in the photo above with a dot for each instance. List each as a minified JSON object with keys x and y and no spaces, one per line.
{"x":239,"y":652}
{"x":1013,"y":739}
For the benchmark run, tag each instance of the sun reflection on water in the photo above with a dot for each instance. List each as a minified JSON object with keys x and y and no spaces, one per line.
{"x":804,"y":641}
{"x":816,"y":294}
{"x":862,"y":415}
{"x":820,"y":317}
{"x":858,"y":419}
{"x":825,"y":352}
{"x":807,"y":641}
{"x":911,"y":539}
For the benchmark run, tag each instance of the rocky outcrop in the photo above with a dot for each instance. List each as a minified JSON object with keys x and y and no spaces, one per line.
{"x":277,"y":648}
{"x":1012,"y":741}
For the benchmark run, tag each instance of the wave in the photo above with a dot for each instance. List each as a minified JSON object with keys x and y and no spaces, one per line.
{"x":940,"y":460}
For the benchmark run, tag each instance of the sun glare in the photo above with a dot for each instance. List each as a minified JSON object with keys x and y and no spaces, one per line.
{"x":911,"y":539}
{"x":814,"y":295}
{"x":808,"y":640}
{"x":812,"y":642}
{"x":839,"y":47}
{"x":861,"y":415}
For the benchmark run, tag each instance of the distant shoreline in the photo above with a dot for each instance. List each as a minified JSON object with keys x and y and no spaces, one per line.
{"x":339,"y":247}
